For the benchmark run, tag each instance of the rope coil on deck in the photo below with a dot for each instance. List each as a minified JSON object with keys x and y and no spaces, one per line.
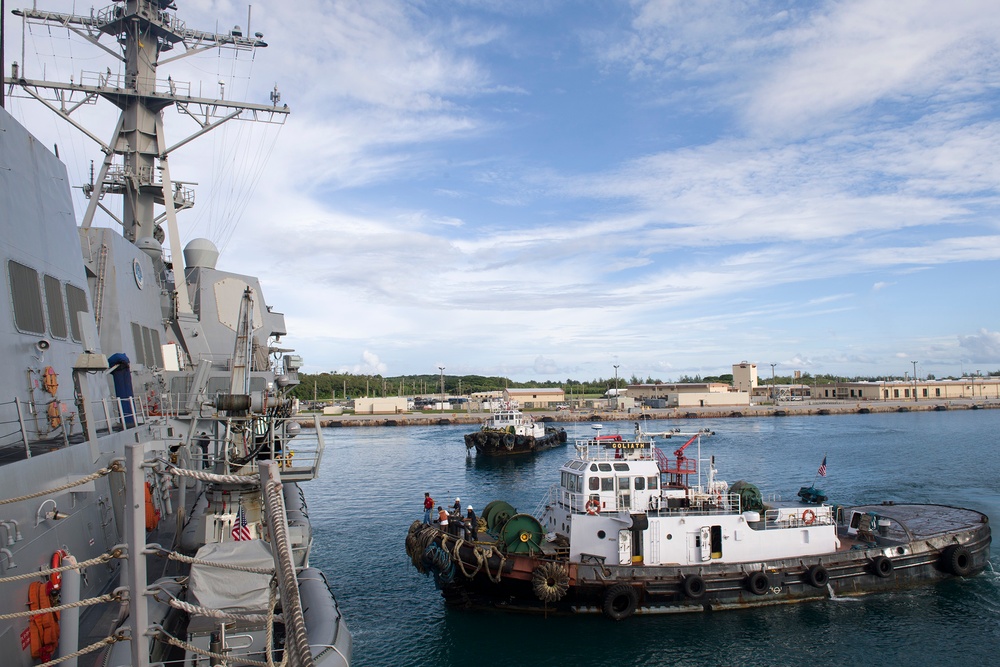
{"x":103,"y":558}
{"x":115,"y":466}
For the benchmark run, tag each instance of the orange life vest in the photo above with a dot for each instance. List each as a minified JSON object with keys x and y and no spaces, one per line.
{"x":44,"y":627}
{"x":152,"y":514}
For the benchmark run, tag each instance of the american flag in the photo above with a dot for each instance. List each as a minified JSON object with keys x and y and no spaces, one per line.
{"x":821,"y":471}
{"x":241,"y":531}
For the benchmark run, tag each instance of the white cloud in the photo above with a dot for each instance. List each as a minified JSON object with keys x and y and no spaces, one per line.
{"x":982,"y":347}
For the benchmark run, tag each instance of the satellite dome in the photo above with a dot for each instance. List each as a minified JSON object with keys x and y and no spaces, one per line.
{"x":201,"y":253}
{"x":151,"y":247}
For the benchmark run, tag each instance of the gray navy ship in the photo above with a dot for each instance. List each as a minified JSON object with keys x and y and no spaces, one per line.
{"x":150,"y":466}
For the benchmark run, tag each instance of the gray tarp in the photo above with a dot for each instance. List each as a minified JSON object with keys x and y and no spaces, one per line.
{"x":230,"y":589}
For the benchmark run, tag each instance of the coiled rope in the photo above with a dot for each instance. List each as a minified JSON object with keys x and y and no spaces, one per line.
{"x":103,"y":558}
{"x":115,"y":466}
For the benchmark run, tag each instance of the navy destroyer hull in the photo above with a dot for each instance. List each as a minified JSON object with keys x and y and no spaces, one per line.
{"x":946,"y":543}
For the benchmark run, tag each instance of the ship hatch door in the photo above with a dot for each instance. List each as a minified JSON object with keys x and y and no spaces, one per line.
{"x":625,"y":547}
{"x":706,"y":543}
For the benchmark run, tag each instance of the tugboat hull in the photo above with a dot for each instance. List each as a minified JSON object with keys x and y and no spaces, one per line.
{"x":947,"y":542}
{"x":500,"y":443}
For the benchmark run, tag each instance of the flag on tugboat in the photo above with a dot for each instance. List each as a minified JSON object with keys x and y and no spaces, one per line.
{"x":241,"y":531}
{"x":821,"y":471}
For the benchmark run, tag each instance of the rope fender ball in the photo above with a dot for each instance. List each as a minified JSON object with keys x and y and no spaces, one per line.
{"x":694,"y":586}
{"x":550,"y":582}
{"x":620,"y":602}
{"x":881,"y":567}
{"x":817,"y":576}
{"x":758,"y":583}
{"x":957,"y":560}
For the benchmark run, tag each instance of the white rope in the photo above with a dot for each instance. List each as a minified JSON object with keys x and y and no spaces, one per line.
{"x":213,"y":477}
{"x":181,"y":558}
{"x":103,"y":558}
{"x":218,"y":613}
{"x":229,"y":658}
{"x":114,"y":467}
{"x":109,"y":597}
{"x":107,"y":641}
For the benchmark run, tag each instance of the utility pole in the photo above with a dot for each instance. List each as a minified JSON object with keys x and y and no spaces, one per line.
{"x":914,"y":380}
{"x":616,"y":387}
{"x":772,"y":381}
{"x":441,"y":368}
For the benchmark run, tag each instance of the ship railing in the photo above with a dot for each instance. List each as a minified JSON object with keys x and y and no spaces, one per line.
{"x":712,"y":504}
{"x":299,"y":457}
{"x":614,"y":450}
{"x":815,"y":515}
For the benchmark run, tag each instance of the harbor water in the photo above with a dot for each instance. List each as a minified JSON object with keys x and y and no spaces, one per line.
{"x":373,"y":484}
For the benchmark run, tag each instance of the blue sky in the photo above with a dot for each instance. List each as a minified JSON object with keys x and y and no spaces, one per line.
{"x":545,"y":189}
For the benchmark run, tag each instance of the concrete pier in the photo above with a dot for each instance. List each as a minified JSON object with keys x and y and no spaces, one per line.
{"x":768,"y":410}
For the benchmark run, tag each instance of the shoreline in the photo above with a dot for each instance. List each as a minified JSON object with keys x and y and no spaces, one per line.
{"x":819,"y":408}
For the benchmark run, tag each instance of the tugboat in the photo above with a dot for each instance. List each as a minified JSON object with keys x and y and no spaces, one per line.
{"x":630,"y":530}
{"x":148,"y":420}
{"x":509,"y":431}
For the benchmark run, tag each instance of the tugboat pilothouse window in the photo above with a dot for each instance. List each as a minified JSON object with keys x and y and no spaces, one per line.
{"x":607,"y":484}
{"x":27,"y":298}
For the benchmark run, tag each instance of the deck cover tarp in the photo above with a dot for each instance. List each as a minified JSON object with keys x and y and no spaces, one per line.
{"x":232,"y":590}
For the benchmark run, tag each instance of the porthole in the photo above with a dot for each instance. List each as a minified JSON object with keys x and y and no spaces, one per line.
{"x":601,"y":534}
{"x":669,"y":536}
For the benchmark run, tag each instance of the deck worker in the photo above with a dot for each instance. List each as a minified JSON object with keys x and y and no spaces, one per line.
{"x":428,"y":506}
{"x":442,"y":519}
{"x":471,"y":525}
{"x":456,"y":509}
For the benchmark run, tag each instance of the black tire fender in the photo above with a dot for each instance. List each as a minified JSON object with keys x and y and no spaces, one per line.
{"x":957,"y":560}
{"x":758,"y":583}
{"x":817,"y":576}
{"x":881,"y":567}
{"x":620,"y":602}
{"x":693,"y":586}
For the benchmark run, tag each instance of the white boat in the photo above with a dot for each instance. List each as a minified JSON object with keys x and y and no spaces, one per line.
{"x":629,"y":529}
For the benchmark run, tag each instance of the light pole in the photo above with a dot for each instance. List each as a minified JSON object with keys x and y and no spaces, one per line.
{"x":441,"y":368}
{"x":914,"y":380}
{"x":772,"y":381}
{"x":616,"y":387}
{"x":974,"y":385}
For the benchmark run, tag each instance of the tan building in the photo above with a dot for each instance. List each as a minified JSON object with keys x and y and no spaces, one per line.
{"x":894,"y":390}
{"x":535,"y":398}
{"x":380,"y":406}
{"x":744,"y":376}
{"x":690,"y":394}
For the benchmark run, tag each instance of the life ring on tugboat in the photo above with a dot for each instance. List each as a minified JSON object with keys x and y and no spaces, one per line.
{"x":593,"y":507}
{"x":620,"y":602}
{"x":808,"y":517}
{"x":55,"y":578}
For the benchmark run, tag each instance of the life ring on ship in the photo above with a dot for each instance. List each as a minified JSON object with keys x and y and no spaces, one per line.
{"x":957,"y":560}
{"x":50,"y":381}
{"x":620,"y":602}
{"x":593,"y":507}
{"x":55,"y":419}
{"x":808,"y":517}
{"x":55,"y":578}
{"x":693,"y":586}
{"x":758,"y":583}
{"x":881,"y":567}
{"x":550,"y":582}
{"x":817,"y":576}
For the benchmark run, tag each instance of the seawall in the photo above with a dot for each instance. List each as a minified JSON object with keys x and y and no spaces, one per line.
{"x":777,"y":411}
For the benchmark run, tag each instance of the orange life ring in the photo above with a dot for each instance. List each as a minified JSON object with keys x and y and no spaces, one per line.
{"x":55,"y":579}
{"x":593,"y":507}
{"x":808,"y":517}
{"x":50,"y":380}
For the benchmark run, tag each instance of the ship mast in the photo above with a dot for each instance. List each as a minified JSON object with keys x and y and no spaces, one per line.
{"x":142,"y":31}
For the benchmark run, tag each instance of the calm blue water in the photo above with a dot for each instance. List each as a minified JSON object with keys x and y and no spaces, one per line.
{"x":374,"y":480}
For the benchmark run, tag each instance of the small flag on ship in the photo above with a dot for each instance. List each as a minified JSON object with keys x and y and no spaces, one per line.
{"x":241,"y":531}
{"x":821,"y":471}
